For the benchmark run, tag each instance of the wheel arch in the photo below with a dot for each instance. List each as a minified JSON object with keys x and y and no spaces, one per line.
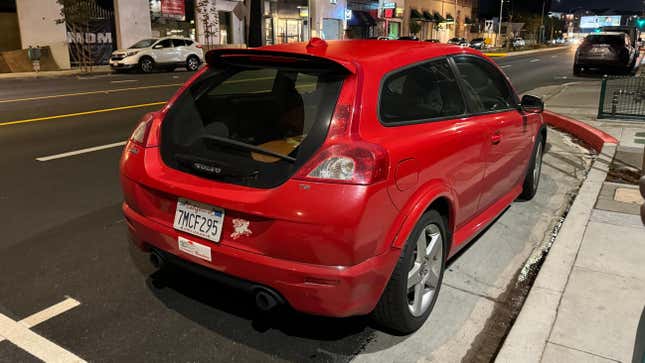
{"x":437,"y":196}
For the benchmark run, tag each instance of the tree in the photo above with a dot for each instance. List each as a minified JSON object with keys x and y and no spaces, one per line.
{"x":207,"y":12}
{"x":415,"y":27}
{"x":76,"y":14}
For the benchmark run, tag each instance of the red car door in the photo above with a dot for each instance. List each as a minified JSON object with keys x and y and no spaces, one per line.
{"x":494,"y":104}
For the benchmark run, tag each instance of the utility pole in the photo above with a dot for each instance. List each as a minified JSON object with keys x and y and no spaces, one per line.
{"x":499,"y":27}
{"x":542,"y":22}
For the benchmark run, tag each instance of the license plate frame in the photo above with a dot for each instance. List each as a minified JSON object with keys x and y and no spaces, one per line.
{"x":199,"y":219}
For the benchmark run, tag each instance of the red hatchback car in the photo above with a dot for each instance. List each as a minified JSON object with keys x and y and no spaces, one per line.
{"x":336,"y":177}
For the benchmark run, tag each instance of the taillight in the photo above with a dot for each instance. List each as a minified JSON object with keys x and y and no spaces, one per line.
{"x":199,"y":46}
{"x":355,"y":162}
{"x":146,"y":132}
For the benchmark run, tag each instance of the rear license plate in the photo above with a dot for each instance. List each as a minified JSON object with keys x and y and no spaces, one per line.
{"x":199,"y":219}
{"x":195,"y":249}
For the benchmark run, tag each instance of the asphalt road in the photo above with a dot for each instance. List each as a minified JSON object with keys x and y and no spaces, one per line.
{"x":63,"y":237}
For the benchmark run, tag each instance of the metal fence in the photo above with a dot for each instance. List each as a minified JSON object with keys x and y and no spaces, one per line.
{"x":622,"y":97}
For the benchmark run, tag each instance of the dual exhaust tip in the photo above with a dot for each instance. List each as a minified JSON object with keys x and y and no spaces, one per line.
{"x":265,"y":298}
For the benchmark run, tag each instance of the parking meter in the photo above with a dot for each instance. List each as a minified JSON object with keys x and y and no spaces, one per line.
{"x":34,"y":55}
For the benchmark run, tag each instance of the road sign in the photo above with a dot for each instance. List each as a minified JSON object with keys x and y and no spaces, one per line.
{"x":389,"y":5}
{"x":488,"y":26}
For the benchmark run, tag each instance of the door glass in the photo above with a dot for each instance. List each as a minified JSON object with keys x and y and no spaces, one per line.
{"x":166,"y":43}
{"x":488,"y":88}
{"x":419,"y":93}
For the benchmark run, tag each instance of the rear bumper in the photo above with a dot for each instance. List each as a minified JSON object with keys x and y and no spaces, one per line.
{"x":337,"y":291}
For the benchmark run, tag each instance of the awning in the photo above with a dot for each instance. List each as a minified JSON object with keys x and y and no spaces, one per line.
{"x":361,"y":18}
{"x":415,"y":14}
{"x":427,"y":16}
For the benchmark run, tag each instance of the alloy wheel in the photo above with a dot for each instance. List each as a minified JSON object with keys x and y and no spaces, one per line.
{"x":193,"y":63}
{"x":146,"y":65}
{"x":423,"y":277}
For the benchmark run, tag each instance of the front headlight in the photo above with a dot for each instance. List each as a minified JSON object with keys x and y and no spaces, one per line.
{"x":131,"y":53}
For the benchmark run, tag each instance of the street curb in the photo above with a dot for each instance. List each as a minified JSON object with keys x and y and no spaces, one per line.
{"x":531,"y":330}
{"x":50,"y":74}
{"x":589,"y":134}
{"x":522,"y":52}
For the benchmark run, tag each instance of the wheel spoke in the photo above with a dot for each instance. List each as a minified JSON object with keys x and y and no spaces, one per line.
{"x":434,"y":246}
{"x":414,"y":277}
{"x":421,"y":247}
{"x":431,"y":279}
{"x":418,"y":299}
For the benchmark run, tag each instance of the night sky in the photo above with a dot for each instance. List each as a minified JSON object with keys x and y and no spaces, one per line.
{"x":491,"y":7}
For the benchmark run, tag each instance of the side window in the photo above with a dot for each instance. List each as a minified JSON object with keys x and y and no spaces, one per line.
{"x":166,"y":43}
{"x":188,"y":43}
{"x":178,"y":42}
{"x":419,"y":93}
{"x":487,"y":87}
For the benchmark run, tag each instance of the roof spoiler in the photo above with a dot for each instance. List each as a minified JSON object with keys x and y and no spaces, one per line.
{"x":218,"y":56}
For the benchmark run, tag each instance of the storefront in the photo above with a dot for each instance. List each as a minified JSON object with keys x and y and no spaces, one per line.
{"x":361,"y":24}
{"x":172,"y":18}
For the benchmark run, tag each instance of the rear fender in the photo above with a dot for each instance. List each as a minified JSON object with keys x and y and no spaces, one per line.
{"x":418,"y":204}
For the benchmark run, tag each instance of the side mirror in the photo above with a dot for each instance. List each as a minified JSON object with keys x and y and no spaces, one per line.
{"x":532,"y":104}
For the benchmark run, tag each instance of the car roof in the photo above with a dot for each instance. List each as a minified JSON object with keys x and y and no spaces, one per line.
{"x":606,"y":33}
{"x":384,"y":55}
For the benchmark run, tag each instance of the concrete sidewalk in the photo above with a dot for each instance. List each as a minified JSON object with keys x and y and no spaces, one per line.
{"x":588,"y":301}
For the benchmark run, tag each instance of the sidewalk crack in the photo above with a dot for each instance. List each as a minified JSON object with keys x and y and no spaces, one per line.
{"x":583,"y":351}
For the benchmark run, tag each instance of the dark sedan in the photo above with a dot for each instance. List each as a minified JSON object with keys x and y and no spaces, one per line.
{"x":611,"y":51}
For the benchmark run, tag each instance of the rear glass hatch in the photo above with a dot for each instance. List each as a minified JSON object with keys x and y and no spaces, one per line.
{"x":252,"y":118}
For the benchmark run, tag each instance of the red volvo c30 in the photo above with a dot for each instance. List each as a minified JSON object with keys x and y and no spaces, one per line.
{"x":336,"y":177}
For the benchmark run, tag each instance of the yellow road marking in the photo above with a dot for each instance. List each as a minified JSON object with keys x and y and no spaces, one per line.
{"x":38,"y":119}
{"x":496,"y":54}
{"x":91,"y":92}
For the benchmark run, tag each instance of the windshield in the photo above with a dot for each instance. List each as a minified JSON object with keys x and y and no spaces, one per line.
{"x":143,"y":43}
{"x":254,"y":125}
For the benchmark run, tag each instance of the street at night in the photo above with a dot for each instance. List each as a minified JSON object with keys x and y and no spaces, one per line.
{"x":322,"y":181}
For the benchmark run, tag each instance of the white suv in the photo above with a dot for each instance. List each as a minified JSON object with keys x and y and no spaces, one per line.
{"x":148,"y":54}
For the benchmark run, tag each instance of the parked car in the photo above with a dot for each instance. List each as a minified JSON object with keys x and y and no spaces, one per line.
{"x":518,"y":42}
{"x":336,"y":177}
{"x":458,"y":41}
{"x":478,"y":43}
{"x":409,"y":37}
{"x":148,"y":54}
{"x":609,"y":50}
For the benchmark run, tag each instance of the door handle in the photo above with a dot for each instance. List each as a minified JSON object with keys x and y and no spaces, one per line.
{"x":496,"y":138}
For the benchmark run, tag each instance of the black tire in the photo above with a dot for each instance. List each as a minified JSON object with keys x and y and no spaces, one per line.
{"x":392,"y":312}
{"x":192,"y":63}
{"x":532,"y":178}
{"x":146,"y":64}
{"x":577,"y":70}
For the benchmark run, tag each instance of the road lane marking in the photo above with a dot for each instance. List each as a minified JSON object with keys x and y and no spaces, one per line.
{"x":506,"y":66}
{"x":127,"y":89}
{"x":19,"y":333}
{"x":534,"y":60}
{"x":554,"y":56}
{"x":91,"y":93}
{"x":81,"y":151}
{"x":125,"y":81}
{"x":47,"y":118}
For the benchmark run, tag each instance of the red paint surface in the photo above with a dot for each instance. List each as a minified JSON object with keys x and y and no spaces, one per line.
{"x":589,"y":134}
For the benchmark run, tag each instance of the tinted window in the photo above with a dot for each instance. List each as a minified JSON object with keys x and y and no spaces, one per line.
{"x":179,"y":42}
{"x":605,"y":39}
{"x":188,"y":42}
{"x":419,"y":93}
{"x":166,"y":43}
{"x":143,"y":43}
{"x":486,"y":86}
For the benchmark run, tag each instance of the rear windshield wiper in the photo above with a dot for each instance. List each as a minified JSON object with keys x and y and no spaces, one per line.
{"x":245,"y":146}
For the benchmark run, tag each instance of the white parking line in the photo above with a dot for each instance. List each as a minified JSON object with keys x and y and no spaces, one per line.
{"x":506,"y":66}
{"x":81,"y":151}
{"x":534,"y":60}
{"x":19,"y":334}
